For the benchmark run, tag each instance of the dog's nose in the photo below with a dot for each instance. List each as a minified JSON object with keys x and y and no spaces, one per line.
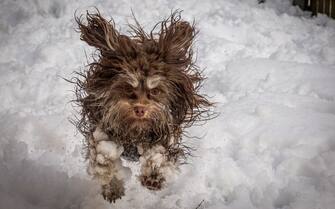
{"x":139,"y":111}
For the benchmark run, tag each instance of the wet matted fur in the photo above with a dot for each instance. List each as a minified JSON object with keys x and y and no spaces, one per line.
{"x":152,"y":74}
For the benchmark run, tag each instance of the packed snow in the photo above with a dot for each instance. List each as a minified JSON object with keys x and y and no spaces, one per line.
{"x":270,"y":70}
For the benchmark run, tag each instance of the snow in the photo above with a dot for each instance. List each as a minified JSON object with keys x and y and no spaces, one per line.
{"x":109,"y":149}
{"x":99,"y":135}
{"x":271,"y":72}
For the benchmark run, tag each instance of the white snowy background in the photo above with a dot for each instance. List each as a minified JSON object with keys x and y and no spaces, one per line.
{"x":271,"y":72}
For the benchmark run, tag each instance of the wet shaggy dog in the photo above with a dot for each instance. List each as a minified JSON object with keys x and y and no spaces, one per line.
{"x":137,"y":97}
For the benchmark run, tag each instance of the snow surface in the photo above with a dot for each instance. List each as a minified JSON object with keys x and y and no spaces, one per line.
{"x":271,"y":72}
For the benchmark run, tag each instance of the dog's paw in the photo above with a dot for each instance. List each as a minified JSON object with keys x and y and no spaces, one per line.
{"x":113,"y":191}
{"x":154,"y":181}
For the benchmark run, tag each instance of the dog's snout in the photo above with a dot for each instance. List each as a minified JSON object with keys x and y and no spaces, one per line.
{"x":140,"y":111}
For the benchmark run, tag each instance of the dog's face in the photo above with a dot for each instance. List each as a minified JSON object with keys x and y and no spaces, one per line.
{"x":140,"y":98}
{"x":138,"y":103}
{"x":142,"y":84}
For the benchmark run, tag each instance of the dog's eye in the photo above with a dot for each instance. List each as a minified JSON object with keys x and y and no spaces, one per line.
{"x":132,"y":96}
{"x":155,"y":92}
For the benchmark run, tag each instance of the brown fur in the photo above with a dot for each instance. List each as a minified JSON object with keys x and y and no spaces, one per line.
{"x":106,"y":93}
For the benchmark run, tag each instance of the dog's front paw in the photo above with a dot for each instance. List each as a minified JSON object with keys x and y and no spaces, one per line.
{"x":154,"y":181}
{"x":113,"y":191}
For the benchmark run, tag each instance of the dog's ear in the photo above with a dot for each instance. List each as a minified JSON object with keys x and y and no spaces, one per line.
{"x":98,"y":32}
{"x":175,"y":40}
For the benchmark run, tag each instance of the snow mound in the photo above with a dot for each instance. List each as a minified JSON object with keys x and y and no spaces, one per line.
{"x":274,"y":143}
{"x":25,"y":184}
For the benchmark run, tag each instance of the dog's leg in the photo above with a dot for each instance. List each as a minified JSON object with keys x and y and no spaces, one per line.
{"x":105,"y":165}
{"x":158,"y":167}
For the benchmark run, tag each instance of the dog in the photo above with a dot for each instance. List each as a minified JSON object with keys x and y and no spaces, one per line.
{"x":137,"y":97}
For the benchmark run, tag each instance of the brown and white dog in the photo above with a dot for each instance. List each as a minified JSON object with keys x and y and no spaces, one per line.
{"x":137,"y":97}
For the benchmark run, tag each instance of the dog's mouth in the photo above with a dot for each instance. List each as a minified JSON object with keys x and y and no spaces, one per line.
{"x":151,"y":122}
{"x":140,"y":122}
